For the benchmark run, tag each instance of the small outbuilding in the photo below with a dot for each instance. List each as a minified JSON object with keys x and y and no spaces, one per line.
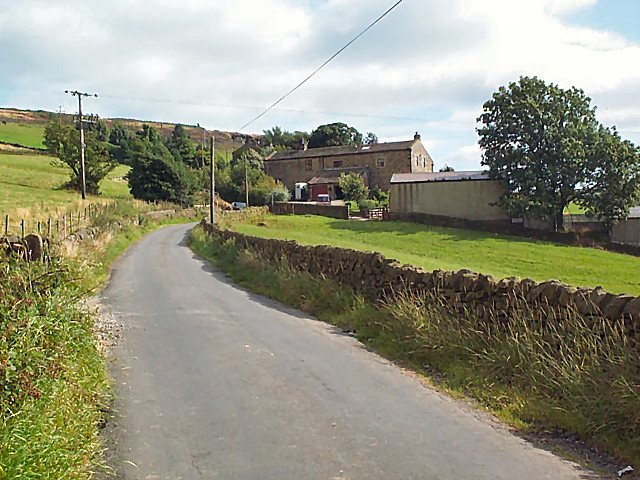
{"x":470,"y":195}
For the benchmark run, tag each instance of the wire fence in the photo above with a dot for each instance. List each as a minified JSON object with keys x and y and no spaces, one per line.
{"x":55,"y":227}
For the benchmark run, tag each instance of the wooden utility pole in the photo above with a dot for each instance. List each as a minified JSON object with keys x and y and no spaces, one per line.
{"x":204,"y":140}
{"x":246,"y":183}
{"x":212,"y":189}
{"x":78,"y":94}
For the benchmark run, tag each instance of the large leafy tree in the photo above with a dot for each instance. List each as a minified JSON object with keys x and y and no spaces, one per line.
{"x":370,"y":139}
{"x":63,"y":142}
{"x":536,"y":139}
{"x":155,"y":174}
{"x":283,"y":140}
{"x":182,"y":148}
{"x":333,"y":135}
{"x":118,"y":138}
{"x":613,"y":184}
{"x":248,"y":156}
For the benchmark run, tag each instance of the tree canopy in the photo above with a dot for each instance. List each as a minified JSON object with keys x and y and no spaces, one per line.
{"x":155,"y":173}
{"x":63,"y":142}
{"x":333,"y":135}
{"x":613,"y":185}
{"x":544,"y":145}
{"x":182,"y":148}
{"x":283,"y":140}
{"x":353,"y":187}
{"x":370,"y":139}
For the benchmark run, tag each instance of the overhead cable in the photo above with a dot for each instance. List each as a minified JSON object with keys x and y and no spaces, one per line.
{"x":322,"y":66}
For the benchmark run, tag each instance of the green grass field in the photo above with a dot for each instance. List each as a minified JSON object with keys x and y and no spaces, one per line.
{"x":28,"y":135}
{"x":453,"y":249}
{"x":31,"y":180}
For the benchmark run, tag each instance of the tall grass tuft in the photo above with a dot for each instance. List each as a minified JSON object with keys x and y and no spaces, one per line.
{"x":552,"y":371}
{"x":52,"y":378}
{"x":539,"y":371}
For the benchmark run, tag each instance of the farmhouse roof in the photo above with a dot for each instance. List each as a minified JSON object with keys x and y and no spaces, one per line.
{"x":423,"y":177}
{"x":343,"y":150}
{"x":332,"y":175}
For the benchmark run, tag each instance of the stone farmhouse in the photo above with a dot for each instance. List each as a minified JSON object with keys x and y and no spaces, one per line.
{"x":321,"y":167}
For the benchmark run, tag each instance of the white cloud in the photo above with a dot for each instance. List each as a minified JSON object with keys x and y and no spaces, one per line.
{"x":423,"y":61}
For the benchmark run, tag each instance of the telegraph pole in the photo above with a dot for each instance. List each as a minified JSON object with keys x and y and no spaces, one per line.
{"x":212,"y":188}
{"x":204,"y":141}
{"x":78,"y":94}
{"x":246,"y":183}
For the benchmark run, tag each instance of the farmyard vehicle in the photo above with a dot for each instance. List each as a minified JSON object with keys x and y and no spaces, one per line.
{"x":324,"y":199}
{"x":238,"y":205}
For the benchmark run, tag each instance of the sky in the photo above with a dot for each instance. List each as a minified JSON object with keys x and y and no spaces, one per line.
{"x":428,"y":66}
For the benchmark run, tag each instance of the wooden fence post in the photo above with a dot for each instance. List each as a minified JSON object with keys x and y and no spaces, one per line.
{"x":6,"y":226}
{"x":22,"y":227}
{"x":49,"y":228}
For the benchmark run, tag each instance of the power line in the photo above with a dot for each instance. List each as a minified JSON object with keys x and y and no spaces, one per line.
{"x":255,"y":107}
{"x":323,"y":65}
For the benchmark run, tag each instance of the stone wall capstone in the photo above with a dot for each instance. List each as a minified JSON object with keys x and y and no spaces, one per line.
{"x":378,"y":277}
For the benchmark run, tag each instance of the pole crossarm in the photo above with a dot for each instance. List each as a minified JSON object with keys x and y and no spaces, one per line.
{"x":79,"y":94}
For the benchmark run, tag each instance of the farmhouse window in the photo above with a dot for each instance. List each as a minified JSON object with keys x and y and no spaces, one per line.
{"x":308,"y":164}
{"x":337,"y":163}
{"x":380,"y":162}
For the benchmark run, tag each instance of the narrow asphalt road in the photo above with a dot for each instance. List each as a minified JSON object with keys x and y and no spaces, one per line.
{"x":214,"y":382}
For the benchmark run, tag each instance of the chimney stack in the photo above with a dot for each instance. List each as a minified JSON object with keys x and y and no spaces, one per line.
{"x":416,"y":136}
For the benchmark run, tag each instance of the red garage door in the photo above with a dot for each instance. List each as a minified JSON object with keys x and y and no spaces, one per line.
{"x":317,"y":190}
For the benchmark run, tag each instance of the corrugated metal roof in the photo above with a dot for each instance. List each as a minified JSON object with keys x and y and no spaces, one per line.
{"x":439,"y":176}
{"x":344,"y":150}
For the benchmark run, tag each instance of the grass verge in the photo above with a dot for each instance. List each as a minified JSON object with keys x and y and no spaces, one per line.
{"x":536,"y":373}
{"x":54,"y":385}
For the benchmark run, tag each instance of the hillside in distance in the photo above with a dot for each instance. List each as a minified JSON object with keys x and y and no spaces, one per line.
{"x":25,"y":128}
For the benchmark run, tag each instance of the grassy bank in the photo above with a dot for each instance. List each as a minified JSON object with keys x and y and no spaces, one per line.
{"x":454,"y":249}
{"x":33,"y":181}
{"x":53,"y":381}
{"x":556,"y":375}
{"x":29,"y":135}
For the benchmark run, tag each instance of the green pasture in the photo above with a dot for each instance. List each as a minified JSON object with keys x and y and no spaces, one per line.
{"x":453,"y":249}
{"x":30,"y":180}
{"x":28,"y":135}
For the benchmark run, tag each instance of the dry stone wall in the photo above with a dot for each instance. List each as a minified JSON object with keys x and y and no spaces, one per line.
{"x":378,"y":278}
{"x":331,"y":211}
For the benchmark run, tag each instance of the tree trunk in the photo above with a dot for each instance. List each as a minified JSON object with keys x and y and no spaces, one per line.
{"x":559,"y":221}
